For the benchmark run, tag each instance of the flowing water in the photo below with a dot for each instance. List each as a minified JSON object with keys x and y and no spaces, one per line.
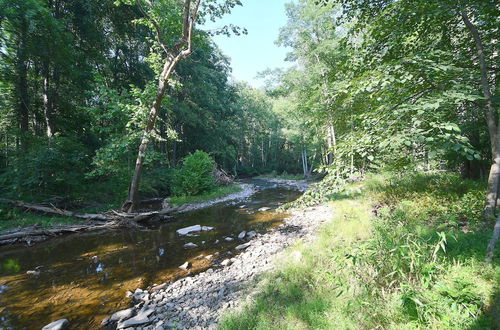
{"x":84,"y":277}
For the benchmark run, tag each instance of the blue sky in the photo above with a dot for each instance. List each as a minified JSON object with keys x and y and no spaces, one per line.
{"x":256,"y":51}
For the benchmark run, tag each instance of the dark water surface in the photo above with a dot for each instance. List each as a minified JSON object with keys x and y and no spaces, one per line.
{"x":84,"y":278}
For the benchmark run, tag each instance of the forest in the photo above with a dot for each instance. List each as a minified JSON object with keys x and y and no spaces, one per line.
{"x":390,"y":111}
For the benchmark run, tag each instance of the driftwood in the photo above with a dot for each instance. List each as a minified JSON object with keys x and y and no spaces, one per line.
{"x":53,"y":210}
{"x":100,"y":221}
{"x":30,"y":235}
{"x":222,"y":178}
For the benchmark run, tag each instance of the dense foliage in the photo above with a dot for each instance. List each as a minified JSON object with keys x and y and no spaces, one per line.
{"x":77,"y":79}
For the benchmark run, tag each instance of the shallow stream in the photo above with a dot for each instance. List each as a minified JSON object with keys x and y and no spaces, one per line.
{"x":84,"y":278}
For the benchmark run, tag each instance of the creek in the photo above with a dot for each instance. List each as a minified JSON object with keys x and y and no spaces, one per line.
{"x":85,"y":277}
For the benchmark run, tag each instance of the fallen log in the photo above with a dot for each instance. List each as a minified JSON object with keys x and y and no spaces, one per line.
{"x":109,"y":220}
{"x":54,"y":210}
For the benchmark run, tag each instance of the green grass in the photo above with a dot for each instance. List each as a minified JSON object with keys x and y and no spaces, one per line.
{"x":401,"y":252}
{"x":216,"y":193}
{"x":14,"y":218}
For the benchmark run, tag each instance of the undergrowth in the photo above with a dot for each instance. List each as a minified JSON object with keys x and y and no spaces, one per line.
{"x":401,"y":252}
{"x":217,"y":192}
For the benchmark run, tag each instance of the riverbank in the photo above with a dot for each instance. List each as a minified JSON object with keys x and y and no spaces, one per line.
{"x":39,"y":228}
{"x":199,"y":301}
{"x":403,"y":251}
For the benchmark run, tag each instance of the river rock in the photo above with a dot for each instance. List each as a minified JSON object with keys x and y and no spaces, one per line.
{"x":228,"y":239}
{"x":187,"y":230}
{"x":251,"y":234}
{"x":122,"y":315}
{"x":185,"y":265}
{"x":57,"y":325}
{"x":141,"y":318}
{"x":242,"y":246}
{"x":192,"y":229}
{"x":242,"y":235}
{"x":264,"y":209}
{"x":3,"y":288}
{"x":33,"y":272}
{"x":190,"y":245}
{"x":226,"y":262}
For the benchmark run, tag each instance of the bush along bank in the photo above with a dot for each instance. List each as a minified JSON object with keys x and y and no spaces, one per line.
{"x":402,"y":252}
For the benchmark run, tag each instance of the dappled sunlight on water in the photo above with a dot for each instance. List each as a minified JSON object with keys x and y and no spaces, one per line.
{"x":85,"y":277}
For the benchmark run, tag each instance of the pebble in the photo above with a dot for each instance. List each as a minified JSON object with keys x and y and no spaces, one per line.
{"x":229,"y":239}
{"x":242,"y":246}
{"x":197,"y":302}
{"x":185,"y":265}
{"x":242,"y":235}
{"x":190,"y":245}
{"x":122,"y":315}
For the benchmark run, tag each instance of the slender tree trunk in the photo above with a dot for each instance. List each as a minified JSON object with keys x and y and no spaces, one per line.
{"x":130,"y":204}
{"x":173,"y":57}
{"x":47,"y":102}
{"x":494,"y":131}
{"x":22,"y":85}
{"x":331,"y":143}
{"x":490,"y":113}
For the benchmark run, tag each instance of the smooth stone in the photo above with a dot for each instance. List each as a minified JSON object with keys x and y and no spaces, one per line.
{"x":251,"y":234}
{"x":264,"y":209}
{"x":187,"y":230}
{"x":57,"y":325}
{"x":242,"y":246}
{"x":141,"y":318}
{"x":191,"y":229}
{"x":242,"y":235}
{"x":33,"y":272}
{"x":185,"y":265}
{"x":190,"y":245}
{"x":122,"y":315}
{"x":228,"y":239}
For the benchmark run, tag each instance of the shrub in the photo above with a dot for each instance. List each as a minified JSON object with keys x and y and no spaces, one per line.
{"x":195,"y":176}
{"x":55,"y":169}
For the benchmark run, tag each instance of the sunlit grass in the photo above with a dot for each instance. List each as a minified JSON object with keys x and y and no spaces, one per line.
{"x":406,"y":253}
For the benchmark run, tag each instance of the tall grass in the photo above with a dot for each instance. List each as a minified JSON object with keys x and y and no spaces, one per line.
{"x":405,"y":253}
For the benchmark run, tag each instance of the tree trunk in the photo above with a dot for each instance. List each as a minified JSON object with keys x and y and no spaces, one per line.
{"x":22,"y":86}
{"x":173,"y":57}
{"x":131,"y":202}
{"x":331,"y":143}
{"x":493,"y":127}
{"x":47,"y":102}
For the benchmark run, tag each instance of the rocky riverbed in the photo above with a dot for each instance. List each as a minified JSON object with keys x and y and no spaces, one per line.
{"x":197,"y":302}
